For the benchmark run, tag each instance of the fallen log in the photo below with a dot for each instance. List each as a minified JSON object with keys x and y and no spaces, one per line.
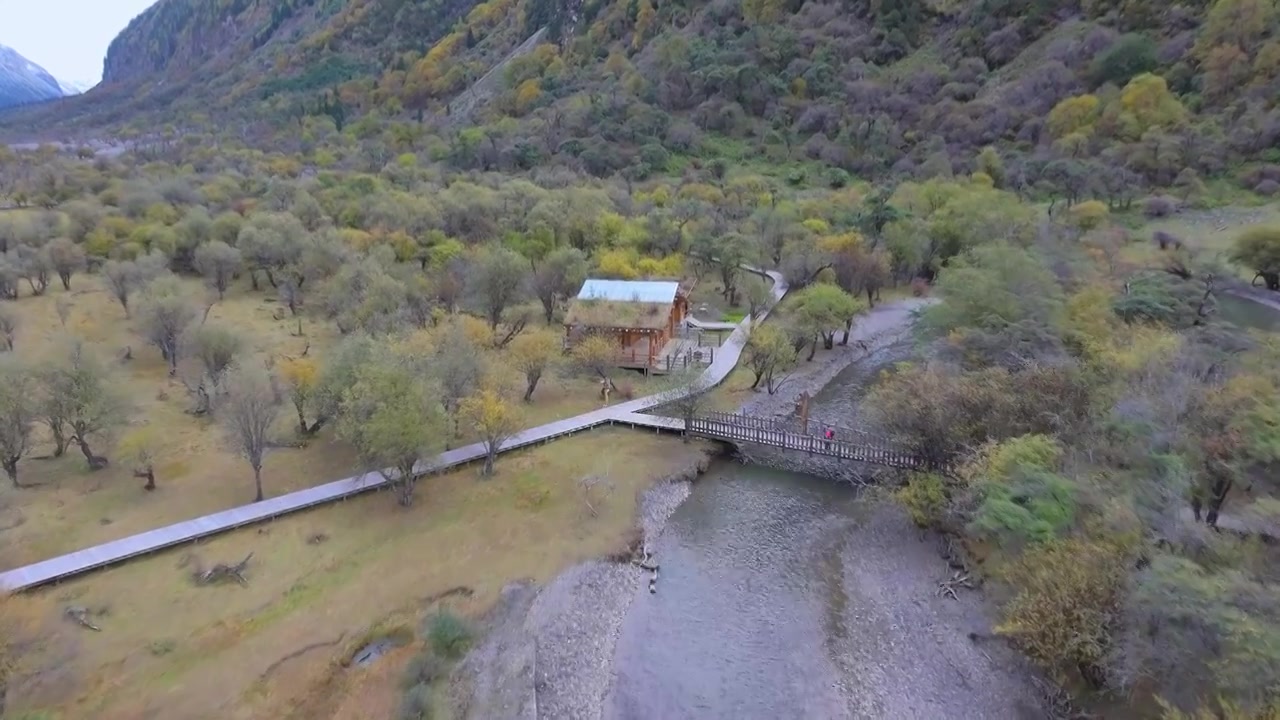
{"x":81,"y":616}
{"x":221,"y":572}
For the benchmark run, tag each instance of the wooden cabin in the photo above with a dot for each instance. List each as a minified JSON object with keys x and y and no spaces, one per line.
{"x":642,"y":315}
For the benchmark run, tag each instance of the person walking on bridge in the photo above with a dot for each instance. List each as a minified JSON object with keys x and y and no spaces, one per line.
{"x":828,"y":435}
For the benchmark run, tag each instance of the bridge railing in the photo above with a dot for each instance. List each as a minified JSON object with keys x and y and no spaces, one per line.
{"x":770,"y":432}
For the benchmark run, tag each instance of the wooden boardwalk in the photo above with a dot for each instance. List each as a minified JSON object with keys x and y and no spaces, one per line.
{"x":115,"y":551}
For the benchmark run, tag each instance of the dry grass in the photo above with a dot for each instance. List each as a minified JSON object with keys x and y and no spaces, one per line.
{"x":1212,"y":232}
{"x":593,"y":313}
{"x":169,"y":649}
{"x":71,"y":508}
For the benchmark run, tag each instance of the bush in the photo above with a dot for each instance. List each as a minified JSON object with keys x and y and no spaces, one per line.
{"x":416,"y":704}
{"x":449,"y":634}
{"x":1131,"y":56}
{"x":1159,"y":206}
{"x":1089,"y":214}
{"x":919,"y":287}
{"x":423,"y":669}
{"x":925,"y":498}
{"x":1267,"y":188}
{"x":1067,"y":599}
{"x":837,"y":178}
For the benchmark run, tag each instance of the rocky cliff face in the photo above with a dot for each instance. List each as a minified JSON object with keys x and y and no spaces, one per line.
{"x":23,"y":82}
{"x":176,"y":37}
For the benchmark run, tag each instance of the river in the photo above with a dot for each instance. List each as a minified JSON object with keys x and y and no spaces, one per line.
{"x":784,"y":596}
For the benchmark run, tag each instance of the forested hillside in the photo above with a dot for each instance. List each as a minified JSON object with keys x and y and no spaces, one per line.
{"x":1093,"y":98}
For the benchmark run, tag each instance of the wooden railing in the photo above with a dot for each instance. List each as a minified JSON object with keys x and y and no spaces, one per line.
{"x":767,"y":431}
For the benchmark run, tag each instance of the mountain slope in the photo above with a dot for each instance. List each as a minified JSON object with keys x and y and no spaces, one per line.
{"x":23,"y":82}
{"x":1080,"y":97}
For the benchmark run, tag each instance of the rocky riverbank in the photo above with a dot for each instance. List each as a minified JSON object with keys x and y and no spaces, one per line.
{"x":548,"y":652}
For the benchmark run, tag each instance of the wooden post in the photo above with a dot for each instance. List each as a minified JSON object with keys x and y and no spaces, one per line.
{"x":802,"y":409}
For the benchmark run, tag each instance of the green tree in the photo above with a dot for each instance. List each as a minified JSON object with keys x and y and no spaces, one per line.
{"x":82,"y":397}
{"x":533,"y":354}
{"x":219,"y":263}
{"x":819,"y":310}
{"x":770,"y":355}
{"x":394,"y":417}
{"x":167,"y":312}
{"x":1002,"y":304}
{"x":1193,"y":632}
{"x":18,"y":412}
{"x":498,"y":279}
{"x":558,"y":277}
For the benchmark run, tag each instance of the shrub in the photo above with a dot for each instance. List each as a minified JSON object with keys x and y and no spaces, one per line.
{"x":1131,"y":56}
{"x":1159,"y":206}
{"x":1067,"y":598}
{"x":925,"y":498}
{"x":423,"y":669}
{"x":1166,"y":240}
{"x":919,"y":287}
{"x":1267,"y":188}
{"x":1089,"y":214}
{"x":416,"y":704}
{"x":449,"y":634}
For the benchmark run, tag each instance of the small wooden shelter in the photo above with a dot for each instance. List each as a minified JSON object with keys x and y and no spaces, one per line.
{"x":643,"y":315}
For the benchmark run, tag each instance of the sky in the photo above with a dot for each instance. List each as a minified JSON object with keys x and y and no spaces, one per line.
{"x":68,"y":38}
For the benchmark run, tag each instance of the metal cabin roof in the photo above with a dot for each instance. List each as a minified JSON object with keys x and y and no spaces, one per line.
{"x":645,"y":291}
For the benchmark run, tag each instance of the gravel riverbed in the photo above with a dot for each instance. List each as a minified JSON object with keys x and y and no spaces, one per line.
{"x":903,"y":652}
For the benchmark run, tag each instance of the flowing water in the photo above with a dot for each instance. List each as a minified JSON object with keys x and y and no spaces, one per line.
{"x":784,"y":596}
{"x":737,"y":627}
{"x":1248,"y":314}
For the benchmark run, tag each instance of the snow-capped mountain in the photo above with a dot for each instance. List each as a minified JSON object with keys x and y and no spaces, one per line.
{"x":75,"y":87}
{"x":22,"y":81}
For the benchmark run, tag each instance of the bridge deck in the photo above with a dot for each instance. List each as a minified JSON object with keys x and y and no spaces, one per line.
{"x":737,"y":428}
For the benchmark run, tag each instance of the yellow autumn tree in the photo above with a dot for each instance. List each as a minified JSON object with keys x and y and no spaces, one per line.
{"x":494,"y":418}
{"x":300,"y":376}
{"x":527,"y":94}
{"x":618,"y":263}
{"x":1073,"y":115}
{"x":1146,"y":103}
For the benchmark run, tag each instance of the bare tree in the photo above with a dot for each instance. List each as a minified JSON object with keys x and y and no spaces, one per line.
{"x":167,"y":312}
{"x":457,"y":369}
{"x":66,"y":258}
{"x":63,"y":305}
{"x":18,"y":409}
{"x":686,"y":394}
{"x":34,"y":266}
{"x":8,"y":328}
{"x":247,"y":407}
{"x":218,"y":262}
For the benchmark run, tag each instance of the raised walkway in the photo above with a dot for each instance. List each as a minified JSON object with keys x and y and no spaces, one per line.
{"x":115,"y":551}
